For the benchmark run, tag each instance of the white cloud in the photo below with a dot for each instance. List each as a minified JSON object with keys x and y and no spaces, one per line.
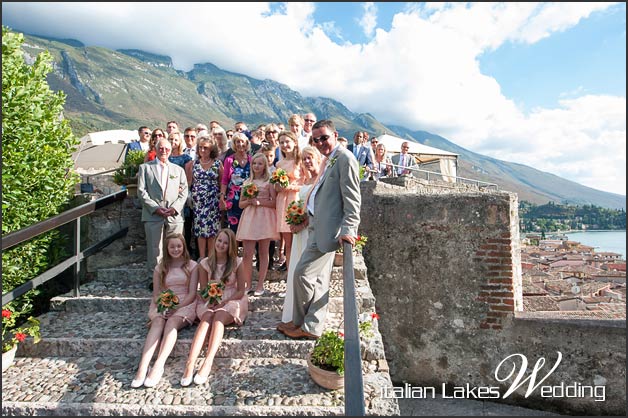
{"x":423,"y":73}
{"x":368,"y":21}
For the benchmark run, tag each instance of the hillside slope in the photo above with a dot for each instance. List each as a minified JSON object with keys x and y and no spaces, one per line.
{"x":109,"y":89}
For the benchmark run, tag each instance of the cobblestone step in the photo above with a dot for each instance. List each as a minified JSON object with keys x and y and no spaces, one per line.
{"x":101,"y":386}
{"x":76,"y":334}
{"x":135,"y":298}
{"x":136,"y":273}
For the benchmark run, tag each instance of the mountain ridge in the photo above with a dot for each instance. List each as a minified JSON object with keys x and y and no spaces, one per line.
{"x":126,"y":88}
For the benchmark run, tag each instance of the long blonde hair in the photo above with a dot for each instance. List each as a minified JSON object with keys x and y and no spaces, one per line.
{"x":265,"y":173}
{"x":232,"y":256}
{"x":166,"y":261}
{"x":316,"y":155}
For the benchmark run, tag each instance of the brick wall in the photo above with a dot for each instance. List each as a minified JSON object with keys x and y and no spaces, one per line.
{"x":445,"y":269}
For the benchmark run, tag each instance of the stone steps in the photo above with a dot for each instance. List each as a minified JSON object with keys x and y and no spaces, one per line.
{"x":85,"y":385}
{"x":136,"y":299}
{"x":91,"y":346}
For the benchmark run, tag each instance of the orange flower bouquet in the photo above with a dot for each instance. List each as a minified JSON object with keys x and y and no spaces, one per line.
{"x":250,"y":191}
{"x":295,"y":213}
{"x":280,"y":177}
{"x":213,"y":293}
{"x":166,"y":300}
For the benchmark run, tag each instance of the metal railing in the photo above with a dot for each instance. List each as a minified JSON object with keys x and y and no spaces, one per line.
{"x":354,"y":386}
{"x":479,"y":183}
{"x":74,"y":214}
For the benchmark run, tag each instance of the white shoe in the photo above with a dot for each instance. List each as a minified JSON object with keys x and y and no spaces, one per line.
{"x":200,"y":380}
{"x":149,"y":383}
{"x":186,"y":381}
{"x":136,"y":383}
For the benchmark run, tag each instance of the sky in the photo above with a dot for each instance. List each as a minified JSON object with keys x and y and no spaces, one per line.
{"x":540,"y":84}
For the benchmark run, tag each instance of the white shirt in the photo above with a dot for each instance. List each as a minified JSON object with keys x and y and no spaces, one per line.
{"x":402,"y":163}
{"x":163,"y":169}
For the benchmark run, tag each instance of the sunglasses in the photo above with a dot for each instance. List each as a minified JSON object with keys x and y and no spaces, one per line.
{"x":158,"y":135}
{"x":189,"y":136}
{"x":321,"y":138}
{"x":309,"y":120}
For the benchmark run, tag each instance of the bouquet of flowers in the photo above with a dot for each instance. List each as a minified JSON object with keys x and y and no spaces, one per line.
{"x":166,"y":300}
{"x":250,"y":191}
{"x":281,"y":177}
{"x":213,"y":293}
{"x":295,"y":213}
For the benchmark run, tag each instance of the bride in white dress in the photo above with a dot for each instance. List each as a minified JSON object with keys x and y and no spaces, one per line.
{"x":311,"y":159}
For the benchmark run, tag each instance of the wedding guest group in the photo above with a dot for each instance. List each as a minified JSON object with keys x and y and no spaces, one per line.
{"x":218,"y":202}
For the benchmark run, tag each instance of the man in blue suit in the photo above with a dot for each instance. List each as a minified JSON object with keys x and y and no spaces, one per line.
{"x":361,"y":152}
{"x":143,"y":144}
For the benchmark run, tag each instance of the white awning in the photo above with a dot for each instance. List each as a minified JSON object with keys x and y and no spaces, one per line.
{"x":422,"y":153}
{"x":104,"y":150}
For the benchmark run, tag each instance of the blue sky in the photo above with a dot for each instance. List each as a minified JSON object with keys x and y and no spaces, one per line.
{"x":541,"y":84}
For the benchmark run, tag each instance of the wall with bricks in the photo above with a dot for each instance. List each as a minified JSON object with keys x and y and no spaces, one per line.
{"x":444,"y":266}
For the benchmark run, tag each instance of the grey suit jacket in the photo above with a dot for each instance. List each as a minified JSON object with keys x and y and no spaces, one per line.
{"x":337,"y":202}
{"x":151,"y":193}
{"x":410,"y":162}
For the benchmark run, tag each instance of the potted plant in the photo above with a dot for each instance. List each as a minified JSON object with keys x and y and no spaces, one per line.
{"x":11,"y":335}
{"x":326,"y":362}
{"x":126,"y":174}
{"x":360,"y":242}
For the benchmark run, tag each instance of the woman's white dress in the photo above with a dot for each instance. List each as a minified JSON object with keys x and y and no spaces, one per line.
{"x":299,"y":242}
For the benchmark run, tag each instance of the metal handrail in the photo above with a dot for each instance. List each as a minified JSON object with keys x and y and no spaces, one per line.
{"x":74,"y":214}
{"x":487,"y":184}
{"x":354,"y":387}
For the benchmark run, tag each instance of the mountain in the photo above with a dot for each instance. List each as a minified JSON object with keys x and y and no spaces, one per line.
{"x":127,"y":88}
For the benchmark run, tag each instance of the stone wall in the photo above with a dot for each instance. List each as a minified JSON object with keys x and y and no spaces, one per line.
{"x":126,"y":251}
{"x":444,"y":266}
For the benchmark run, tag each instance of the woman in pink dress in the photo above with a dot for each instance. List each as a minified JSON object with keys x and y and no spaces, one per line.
{"x":258,"y":221}
{"x":178,"y":273}
{"x":291,"y":163}
{"x":222,"y":266}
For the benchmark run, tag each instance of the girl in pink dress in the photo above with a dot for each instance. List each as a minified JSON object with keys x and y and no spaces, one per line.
{"x":221,"y":266}
{"x":258,"y":221}
{"x":291,"y":162}
{"x":178,"y":273}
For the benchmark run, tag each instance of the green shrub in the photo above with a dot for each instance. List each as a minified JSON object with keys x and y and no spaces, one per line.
{"x":127,"y":173}
{"x":38,"y":178}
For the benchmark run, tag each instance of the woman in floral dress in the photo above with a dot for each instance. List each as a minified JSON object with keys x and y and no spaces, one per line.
{"x":205,"y":173}
{"x":237,"y":168}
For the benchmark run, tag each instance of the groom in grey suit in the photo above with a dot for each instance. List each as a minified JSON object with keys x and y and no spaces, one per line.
{"x":334,"y":209}
{"x":162,"y":189}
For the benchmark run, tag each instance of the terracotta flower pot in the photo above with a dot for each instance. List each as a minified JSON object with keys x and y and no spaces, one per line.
{"x":8,"y":357}
{"x":325,"y":378}
{"x":131,"y":190}
{"x":338,"y":259}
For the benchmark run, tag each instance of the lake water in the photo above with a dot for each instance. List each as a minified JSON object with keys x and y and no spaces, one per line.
{"x":610,"y":241}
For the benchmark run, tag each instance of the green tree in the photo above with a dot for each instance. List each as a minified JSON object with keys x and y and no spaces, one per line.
{"x":38,"y":178}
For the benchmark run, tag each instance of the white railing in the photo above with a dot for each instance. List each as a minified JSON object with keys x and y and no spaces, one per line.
{"x":441,"y":176}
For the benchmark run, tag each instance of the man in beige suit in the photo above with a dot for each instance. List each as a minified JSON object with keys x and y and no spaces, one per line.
{"x":334,"y":209}
{"x":163,"y":189}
